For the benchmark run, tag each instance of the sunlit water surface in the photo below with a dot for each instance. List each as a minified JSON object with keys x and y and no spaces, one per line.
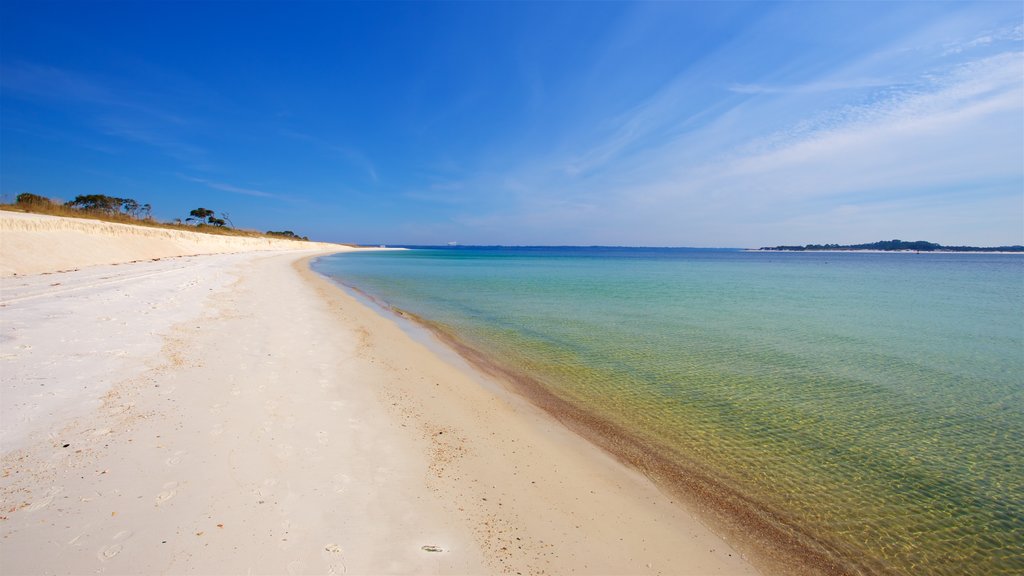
{"x":877,"y":398}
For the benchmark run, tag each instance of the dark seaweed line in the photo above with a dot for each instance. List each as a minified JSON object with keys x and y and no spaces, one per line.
{"x":769,"y":536}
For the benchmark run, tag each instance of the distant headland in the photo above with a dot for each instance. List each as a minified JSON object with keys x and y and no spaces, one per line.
{"x":894,"y":246}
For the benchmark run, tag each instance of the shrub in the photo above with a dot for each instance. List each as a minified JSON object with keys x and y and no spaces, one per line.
{"x":27,"y":199}
{"x":287,"y":234}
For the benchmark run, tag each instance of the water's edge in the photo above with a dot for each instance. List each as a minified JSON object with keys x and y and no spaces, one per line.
{"x":766,"y":535}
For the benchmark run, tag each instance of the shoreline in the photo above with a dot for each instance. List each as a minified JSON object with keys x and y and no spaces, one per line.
{"x":762,"y":534}
{"x":281,"y":426}
{"x":495,"y":388}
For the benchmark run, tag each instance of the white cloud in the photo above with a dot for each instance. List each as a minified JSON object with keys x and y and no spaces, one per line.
{"x":812,"y":87}
{"x":967,"y":126}
{"x":949,"y":144}
{"x":228,"y":187}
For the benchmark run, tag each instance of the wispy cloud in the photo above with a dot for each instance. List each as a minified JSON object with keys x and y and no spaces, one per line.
{"x":146,"y":132}
{"x":946,"y":136}
{"x":350,"y":154}
{"x":894,"y":142}
{"x":812,"y":87}
{"x":228,"y":187}
{"x":39,"y":81}
{"x":1009,"y":33}
{"x":102,"y":109}
{"x":656,"y":115}
{"x":359,"y":159}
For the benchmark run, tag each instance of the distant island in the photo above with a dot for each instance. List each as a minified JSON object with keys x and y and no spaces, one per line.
{"x":895,"y":246}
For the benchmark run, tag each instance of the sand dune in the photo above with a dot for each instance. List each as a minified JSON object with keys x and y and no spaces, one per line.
{"x":37,"y":243}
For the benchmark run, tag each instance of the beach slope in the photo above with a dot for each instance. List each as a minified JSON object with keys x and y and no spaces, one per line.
{"x":38,"y":243}
{"x":236,"y":413}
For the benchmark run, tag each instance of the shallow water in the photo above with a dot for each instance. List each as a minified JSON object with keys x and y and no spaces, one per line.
{"x":876,"y":399}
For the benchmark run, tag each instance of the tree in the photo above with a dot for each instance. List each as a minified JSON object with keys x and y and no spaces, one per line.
{"x":286,"y":234}
{"x":199,"y":215}
{"x":110,"y":205}
{"x":134,"y":209}
{"x":97,"y":203}
{"x":28,"y":199}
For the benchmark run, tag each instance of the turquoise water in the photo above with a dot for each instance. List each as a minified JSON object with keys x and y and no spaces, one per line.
{"x":874,"y":403}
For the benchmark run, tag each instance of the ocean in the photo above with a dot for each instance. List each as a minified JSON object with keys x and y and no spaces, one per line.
{"x":864,"y":409}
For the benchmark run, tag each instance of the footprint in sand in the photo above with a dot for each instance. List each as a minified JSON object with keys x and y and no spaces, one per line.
{"x":101,"y":432}
{"x":332,"y":555}
{"x":108,"y":552}
{"x":92,"y":496}
{"x":111,"y":550}
{"x":341,"y":482}
{"x":337,"y":405}
{"x":175,"y":459}
{"x":217,"y":430}
{"x":285,"y":451}
{"x":170,"y":491}
{"x":46,"y":500}
{"x":323,"y":437}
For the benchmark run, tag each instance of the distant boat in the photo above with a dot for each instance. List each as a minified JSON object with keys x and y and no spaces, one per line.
{"x":453,"y":243}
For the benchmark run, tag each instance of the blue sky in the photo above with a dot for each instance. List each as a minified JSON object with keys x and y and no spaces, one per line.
{"x":683,"y":124}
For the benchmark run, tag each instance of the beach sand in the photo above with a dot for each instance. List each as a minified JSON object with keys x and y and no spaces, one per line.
{"x":38,"y":243}
{"x":239,"y":414}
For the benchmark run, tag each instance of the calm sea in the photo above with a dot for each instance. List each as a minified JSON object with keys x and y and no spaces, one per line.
{"x":870,"y":404}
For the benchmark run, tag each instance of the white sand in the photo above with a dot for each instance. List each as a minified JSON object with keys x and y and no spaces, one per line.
{"x":37,"y":243}
{"x":237,"y":414}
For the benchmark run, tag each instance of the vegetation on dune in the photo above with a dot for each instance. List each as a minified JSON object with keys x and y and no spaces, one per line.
{"x":108,"y":205}
{"x":286,"y":234}
{"x":201,"y":215}
{"x":130,"y":211}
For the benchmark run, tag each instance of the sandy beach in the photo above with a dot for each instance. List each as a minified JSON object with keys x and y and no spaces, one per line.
{"x":217,"y":408}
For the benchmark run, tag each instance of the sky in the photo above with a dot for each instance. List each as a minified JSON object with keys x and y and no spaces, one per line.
{"x":645,"y":124}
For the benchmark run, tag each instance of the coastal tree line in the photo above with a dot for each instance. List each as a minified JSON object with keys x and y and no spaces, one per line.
{"x":895,"y":245}
{"x":129,"y":209}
